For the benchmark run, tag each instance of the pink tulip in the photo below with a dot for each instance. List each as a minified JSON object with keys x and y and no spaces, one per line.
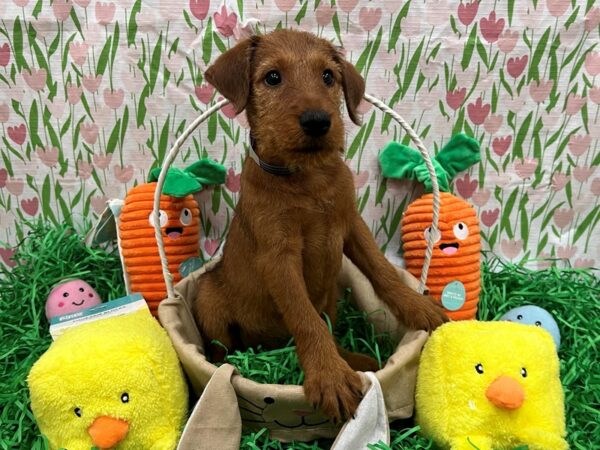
{"x":584,"y":263}
{"x":35,"y":79}
{"x":490,"y":216}
{"x":3,"y":177}
{"x":594,"y":94}
{"x":592,"y":20}
{"x":369,"y":18}
{"x":102,"y":161}
{"x":465,"y":186}
{"x":113,"y":99}
{"x":84,"y":169}
{"x":563,"y":217}
{"x":481,"y":197}
{"x":56,"y":107}
{"x":557,"y":7}
{"x":199,"y":8}
{"x":98,"y":203}
{"x":540,"y":90}
{"x":62,"y":9}
{"x":467,"y":12}
{"x":7,"y":254}
{"x":592,"y":63}
{"x":575,"y":103}
{"x":30,"y":206}
{"x":559,"y":181}
{"x":516,"y":66}
{"x":18,"y":134}
{"x":511,"y":248}
{"x":285,"y":5}
{"x":48,"y":155}
{"x":124,"y":174}
{"x":91,"y":83}
{"x":74,"y":93}
{"x":493,"y":123}
{"x":526,"y":168}
{"x":225,"y":22}
{"x":233,"y":180}
{"x":595,"y":187}
{"x":228,"y":110}
{"x":83,"y":3}
{"x":478,"y":112}
{"x":4,"y":55}
{"x":4,"y":113}
{"x":15,"y":186}
{"x":501,"y":145}
{"x":78,"y":51}
{"x":211,"y":246}
{"x":582,"y":173}
{"x":566,"y":252}
{"x":360,"y":178}
{"x":21,"y":3}
{"x":578,"y":144}
{"x":105,"y":13}
{"x":491,"y":28}
{"x":348,"y":5}
{"x":456,"y":98}
{"x":508,"y":40}
{"x":324,"y":14}
{"x":204,"y":93}
{"x":89,"y":132}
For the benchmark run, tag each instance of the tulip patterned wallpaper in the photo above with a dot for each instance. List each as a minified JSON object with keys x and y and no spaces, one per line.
{"x":93,"y":93}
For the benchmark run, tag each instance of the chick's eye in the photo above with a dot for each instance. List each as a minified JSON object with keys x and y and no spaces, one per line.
{"x":125,"y":397}
{"x":78,"y":412}
{"x":479,"y":368}
{"x":538,"y":323}
{"x":273,"y":78}
{"x":520,"y":317}
{"x":328,"y":77}
{"x":524,"y":372}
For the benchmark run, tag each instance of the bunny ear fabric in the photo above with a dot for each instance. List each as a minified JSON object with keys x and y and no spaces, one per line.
{"x":459,"y":154}
{"x":402,"y":162}
{"x":180,"y":183}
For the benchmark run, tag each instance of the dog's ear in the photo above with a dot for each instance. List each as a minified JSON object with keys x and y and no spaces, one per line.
{"x":230,"y":73}
{"x":354,"y":89}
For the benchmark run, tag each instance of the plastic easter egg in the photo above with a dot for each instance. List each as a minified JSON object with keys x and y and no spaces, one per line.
{"x":534,"y":315}
{"x":69,"y":297}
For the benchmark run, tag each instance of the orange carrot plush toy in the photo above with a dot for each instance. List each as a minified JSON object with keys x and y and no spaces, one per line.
{"x":454,"y":274}
{"x":179,"y":220}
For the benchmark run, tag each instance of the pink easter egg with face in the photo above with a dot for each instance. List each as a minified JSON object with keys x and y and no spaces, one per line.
{"x":70,"y":297}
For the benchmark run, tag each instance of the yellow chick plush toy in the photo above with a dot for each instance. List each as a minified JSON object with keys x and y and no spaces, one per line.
{"x":112,"y":384}
{"x":484,"y":385}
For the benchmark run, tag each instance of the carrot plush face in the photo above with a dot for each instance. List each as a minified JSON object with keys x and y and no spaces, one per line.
{"x":454,"y":275}
{"x":179,"y":219}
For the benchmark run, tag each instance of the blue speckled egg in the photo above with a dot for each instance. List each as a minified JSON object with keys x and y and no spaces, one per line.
{"x":534,"y":315}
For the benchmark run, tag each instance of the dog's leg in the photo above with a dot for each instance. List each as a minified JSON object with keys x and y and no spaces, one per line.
{"x":412,"y":309}
{"x":213,"y":320}
{"x":329,"y":382}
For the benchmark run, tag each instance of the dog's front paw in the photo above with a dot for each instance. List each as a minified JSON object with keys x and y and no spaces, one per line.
{"x":422,"y":312}
{"x":336,"y":391}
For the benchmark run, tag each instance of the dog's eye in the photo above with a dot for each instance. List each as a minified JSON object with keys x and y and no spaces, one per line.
{"x":328,"y":77}
{"x":273,"y":78}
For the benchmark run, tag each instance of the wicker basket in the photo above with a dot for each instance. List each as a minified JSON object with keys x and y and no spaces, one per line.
{"x":215,"y":423}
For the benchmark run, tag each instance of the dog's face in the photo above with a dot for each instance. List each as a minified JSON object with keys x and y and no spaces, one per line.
{"x":291,"y":84}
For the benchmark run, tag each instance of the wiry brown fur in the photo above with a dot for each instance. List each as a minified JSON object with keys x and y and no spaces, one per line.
{"x":285,"y":244}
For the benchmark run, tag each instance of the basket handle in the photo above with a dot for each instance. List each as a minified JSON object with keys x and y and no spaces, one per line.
{"x":173,"y":152}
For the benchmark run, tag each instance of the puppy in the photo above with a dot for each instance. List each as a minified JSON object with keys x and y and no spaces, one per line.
{"x":296,"y":216}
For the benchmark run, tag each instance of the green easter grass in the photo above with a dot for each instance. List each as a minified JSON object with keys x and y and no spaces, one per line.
{"x":50,"y":253}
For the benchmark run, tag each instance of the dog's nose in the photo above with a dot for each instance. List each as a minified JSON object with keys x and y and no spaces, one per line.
{"x":315,"y":123}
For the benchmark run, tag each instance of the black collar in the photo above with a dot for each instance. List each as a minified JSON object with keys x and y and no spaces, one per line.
{"x":269,"y":168}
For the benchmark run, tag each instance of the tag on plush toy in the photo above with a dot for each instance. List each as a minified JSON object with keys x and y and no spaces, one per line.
{"x":120,"y":307}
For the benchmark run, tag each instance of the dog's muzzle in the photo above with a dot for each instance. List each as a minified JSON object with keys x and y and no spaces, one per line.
{"x":315,"y":123}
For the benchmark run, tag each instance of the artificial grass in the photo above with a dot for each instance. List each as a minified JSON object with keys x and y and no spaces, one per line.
{"x":50,"y":253}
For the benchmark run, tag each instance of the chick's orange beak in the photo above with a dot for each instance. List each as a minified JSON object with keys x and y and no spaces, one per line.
{"x":505,"y":392}
{"x":106,"y":432}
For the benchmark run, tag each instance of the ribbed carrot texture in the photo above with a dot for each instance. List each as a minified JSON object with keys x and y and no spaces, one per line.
{"x":456,"y":254}
{"x":180,"y":220}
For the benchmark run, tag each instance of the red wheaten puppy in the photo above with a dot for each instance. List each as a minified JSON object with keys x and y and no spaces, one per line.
{"x":296,"y":216}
